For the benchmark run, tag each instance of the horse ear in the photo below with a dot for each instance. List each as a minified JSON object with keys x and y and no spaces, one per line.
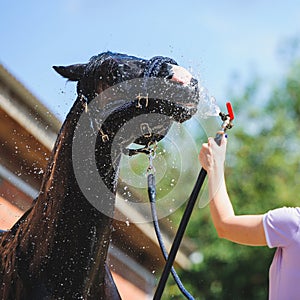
{"x":72,"y":72}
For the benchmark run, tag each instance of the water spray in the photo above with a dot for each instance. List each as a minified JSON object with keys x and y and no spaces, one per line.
{"x":227,"y":124}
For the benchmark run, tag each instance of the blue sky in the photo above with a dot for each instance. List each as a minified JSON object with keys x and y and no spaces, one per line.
{"x":214,"y":39}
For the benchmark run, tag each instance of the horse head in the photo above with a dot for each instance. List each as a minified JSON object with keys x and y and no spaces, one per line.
{"x":130,"y":100}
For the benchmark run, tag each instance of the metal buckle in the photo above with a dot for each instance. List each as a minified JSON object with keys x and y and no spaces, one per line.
{"x":139,"y":98}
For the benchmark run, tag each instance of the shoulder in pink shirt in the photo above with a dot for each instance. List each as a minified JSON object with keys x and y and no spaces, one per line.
{"x":282,"y":231}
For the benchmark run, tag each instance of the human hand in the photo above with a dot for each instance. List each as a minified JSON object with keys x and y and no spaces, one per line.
{"x":212,"y":156}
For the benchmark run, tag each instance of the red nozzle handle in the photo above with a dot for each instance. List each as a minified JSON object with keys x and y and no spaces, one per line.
{"x":230,"y":111}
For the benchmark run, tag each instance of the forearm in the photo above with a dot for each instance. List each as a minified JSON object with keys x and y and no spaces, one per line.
{"x":245,"y":229}
{"x":220,"y":205}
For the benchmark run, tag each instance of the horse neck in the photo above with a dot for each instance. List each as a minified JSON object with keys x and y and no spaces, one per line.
{"x":63,"y":226}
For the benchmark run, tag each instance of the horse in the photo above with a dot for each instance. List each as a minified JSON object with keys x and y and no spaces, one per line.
{"x":58,"y":248}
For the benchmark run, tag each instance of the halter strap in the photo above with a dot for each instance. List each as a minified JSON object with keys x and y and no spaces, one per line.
{"x":154,"y":65}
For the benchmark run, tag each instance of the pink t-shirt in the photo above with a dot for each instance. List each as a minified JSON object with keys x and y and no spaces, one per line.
{"x":282,"y":231}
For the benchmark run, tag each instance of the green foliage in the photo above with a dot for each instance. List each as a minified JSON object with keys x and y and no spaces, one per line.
{"x":262,"y":173}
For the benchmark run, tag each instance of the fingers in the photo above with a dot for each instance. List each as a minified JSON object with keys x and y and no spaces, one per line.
{"x":205,"y":145}
{"x":211,"y":154}
{"x":204,"y":156}
{"x":212,"y":148}
{"x":212,"y":143}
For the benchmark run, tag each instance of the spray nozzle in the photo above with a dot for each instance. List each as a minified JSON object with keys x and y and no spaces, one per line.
{"x":227,"y":122}
{"x":227,"y":118}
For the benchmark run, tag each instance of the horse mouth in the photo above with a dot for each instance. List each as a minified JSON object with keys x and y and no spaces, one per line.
{"x":185,"y":111}
{"x":188,"y":100}
{"x":187,"y":88}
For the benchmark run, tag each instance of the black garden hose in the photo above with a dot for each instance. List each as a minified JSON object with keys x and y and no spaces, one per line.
{"x":179,"y":235}
{"x":152,"y":198}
